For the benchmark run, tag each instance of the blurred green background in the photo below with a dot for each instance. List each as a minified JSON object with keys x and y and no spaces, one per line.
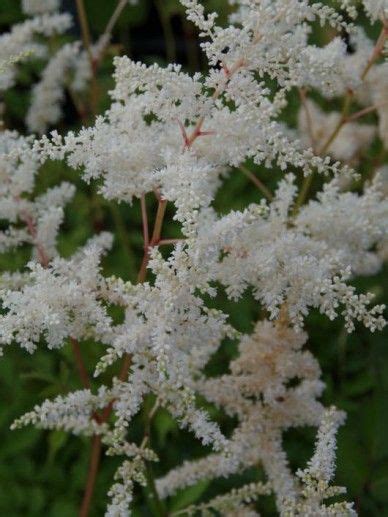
{"x":44,"y":472}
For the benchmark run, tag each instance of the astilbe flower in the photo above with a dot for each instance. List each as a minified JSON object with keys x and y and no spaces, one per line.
{"x":351,"y":142}
{"x":36,"y":309}
{"x":40,"y":216}
{"x":319,"y":472}
{"x":153,"y":108}
{"x":67,"y":68}
{"x":21,"y":41}
{"x":235,"y":503}
{"x":256,"y":392}
{"x":292,"y":265}
{"x":47,"y":96}
{"x":351,"y":79}
{"x":179,"y":136}
{"x":376,"y":9}
{"x":355,"y":237}
{"x":32,"y":7}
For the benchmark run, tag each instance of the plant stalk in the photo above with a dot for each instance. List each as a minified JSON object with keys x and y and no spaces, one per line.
{"x":87,"y":42}
{"x":377,"y":51}
{"x":95,"y":457}
{"x":256,"y":181}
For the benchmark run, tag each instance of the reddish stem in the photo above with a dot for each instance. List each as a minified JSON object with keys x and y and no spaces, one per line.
{"x":155,"y":239}
{"x":96,"y":443}
{"x":94,"y":464}
{"x":95,"y":454}
{"x":144,"y":219}
{"x":84,"y":376}
{"x":31,"y":227}
{"x":188,"y":140}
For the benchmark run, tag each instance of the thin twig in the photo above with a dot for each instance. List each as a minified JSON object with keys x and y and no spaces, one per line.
{"x":309,"y":121}
{"x":168,"y":32}
{"x":306,"y":185}
{"x":377,"y":51}
{"x":96,"y":444}
{"x":85,"y":31}
{"x":379,"y":47}
{"x":107,"y":34}
{"x":144,"y":219}
{"x":30,"y":222}
{"x":365,"y":111}
{"x":158,"y":222}
{"x":87,"y":42}
{"x":259,"y":184}
{"x":342,"y":121}
{"x":95,"y":453}
{"x":95,"y":457}
{"x":154,"y":239}
{"x":188,"y":140}
{"x":84,"y":376}
{"x":114,"y":18}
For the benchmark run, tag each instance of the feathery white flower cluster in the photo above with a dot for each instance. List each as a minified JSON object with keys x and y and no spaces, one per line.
{"x":376,"y":8}
{"x":256,"y":392}
{"x":47,"y":96}
{"x":36,"y":308}
{"x":319,"y":472}
{"x":68,"y":67}
{"x":233,"y":503}
{"x":287,"y":262}
{"x":21,"y":41}
{"x":40,"y":217}
{"x":158,"y":111}
{"x":33,"y":7}
{"x":180,"y":136}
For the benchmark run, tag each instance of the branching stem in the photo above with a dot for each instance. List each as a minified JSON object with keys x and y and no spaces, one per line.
{"x":107,"y":34}
{"x":377,"y":51}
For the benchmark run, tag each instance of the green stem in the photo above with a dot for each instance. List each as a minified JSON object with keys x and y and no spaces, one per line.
{"x":107,"y":34}
{"x":342,"y":121}
{"x":191,"y":45}
{"x":95,"y":457}
{"x":87,"y":42}
{"x":306,"y":185}
{"x":168,"y":32}
{"x":153,"y":496}
{"x":122,"y":231}
{"x":158,"y":222}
